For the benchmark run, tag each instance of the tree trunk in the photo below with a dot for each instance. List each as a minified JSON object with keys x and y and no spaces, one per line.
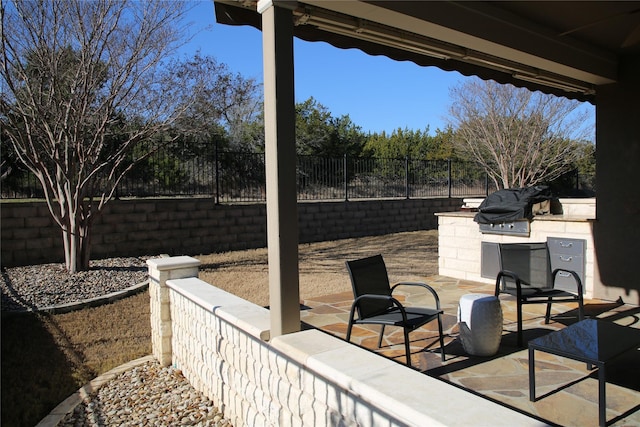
{"x":84,"y":251}
{"x":70,"y":253}
{"x":77,"y":244}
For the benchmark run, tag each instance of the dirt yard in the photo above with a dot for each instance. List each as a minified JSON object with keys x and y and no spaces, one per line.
{"x":408,"y":256}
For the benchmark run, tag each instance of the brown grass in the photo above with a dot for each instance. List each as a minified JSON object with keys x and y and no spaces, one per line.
{"x":107,"y":336}
{"x":322,"y":270}
{"x":45,"y":358}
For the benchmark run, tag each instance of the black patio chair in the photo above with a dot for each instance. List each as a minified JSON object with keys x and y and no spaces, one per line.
{"x":375,"y":304}
{"x":525,"y":273}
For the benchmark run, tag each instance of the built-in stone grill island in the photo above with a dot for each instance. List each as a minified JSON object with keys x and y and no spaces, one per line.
{"x":466,"y":252}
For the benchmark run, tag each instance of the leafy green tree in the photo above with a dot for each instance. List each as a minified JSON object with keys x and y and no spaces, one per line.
{"x":443,"y":147}
{"x":14,"y":176}
{"x":345,"y":138}
{"x":586,"y":163}
{"x":520,"y":137}
{"x":586,"y":166}
{"x":318,"y":133}
{"x":312,"y":126}
{"x":580,"y":180}
{"x":415,"y":144}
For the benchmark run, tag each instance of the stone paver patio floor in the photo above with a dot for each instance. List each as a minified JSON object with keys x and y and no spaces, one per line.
{"x":567,"y":393}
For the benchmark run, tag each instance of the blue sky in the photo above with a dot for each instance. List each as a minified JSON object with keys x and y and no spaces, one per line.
{"x":377,"y":93}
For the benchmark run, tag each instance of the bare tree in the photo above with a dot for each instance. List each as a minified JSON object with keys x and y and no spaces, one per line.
{"x":520,"y":137}
{"x":85,"y":95}
{"x":226,"y":100}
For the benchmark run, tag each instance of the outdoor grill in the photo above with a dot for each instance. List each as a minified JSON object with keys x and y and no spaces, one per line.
{"x":511,"y":210}
{"x":516,"y":228}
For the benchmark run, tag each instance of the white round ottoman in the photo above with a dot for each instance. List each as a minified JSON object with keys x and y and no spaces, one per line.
{"x":480,"y":320}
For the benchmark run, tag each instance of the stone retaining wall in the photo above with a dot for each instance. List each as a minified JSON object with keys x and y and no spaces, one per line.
{"x":197,"y":225}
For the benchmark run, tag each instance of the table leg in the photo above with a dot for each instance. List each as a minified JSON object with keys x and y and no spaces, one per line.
{"x":602,"y":398}
{"x":532,"y":376}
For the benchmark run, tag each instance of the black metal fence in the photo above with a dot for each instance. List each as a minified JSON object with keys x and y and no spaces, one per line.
{"x":240,"y":177}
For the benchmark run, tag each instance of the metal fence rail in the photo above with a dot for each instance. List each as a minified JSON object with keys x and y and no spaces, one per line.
{"x":240,"y":177}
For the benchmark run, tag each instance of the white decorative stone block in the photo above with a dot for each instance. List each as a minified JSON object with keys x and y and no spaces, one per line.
{"x":303,"y":378}
{"x":480,"y":318}
{"x":579,"y":207}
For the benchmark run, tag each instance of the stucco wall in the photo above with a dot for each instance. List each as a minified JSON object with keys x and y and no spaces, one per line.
{"x":195,"y":226}
{"x":616,"y":233}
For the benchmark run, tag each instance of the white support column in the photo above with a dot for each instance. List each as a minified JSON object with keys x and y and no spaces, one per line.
{"x":161,"y":270}
{"x":280,"y":158}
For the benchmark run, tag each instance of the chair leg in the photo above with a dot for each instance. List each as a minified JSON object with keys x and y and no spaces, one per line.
{"x":351,"y":317}
{"x":380,"y":337}
{"x":547,"y":316}
{"x":349,"y":330}
{"x":519,"y":306}
{"x":407,"y":348}
{"x":441,"y":338}
{"x":580,"y":308}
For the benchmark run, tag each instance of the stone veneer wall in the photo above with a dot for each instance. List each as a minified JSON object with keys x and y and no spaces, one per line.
{"x":459,"y":245}
{"x":193,"y":226}
{"x":222,"y":345}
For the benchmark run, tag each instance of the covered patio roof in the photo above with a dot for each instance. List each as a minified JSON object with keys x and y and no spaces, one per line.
{"x":565,"y":48}
{"x":588,"y":51}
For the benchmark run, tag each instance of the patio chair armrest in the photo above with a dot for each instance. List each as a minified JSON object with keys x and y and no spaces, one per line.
{"x":513,"y":276}
{"x":422,"y":285}
{"x":575,"y":276}
{"x":391,"y":299}
{"x":373,"y":296}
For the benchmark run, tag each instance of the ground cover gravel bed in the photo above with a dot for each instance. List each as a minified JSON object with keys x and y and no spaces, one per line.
{"x":34,"y":287}
{"x":147,"y":395}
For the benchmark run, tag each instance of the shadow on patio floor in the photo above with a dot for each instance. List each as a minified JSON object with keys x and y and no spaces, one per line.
{"x":567,"y":392}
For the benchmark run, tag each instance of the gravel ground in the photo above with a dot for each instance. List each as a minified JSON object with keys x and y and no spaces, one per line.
{"x":38,"y":286}
{"x":147,"y":395}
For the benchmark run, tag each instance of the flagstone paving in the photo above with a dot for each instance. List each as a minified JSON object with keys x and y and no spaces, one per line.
{"x":567,"y":393}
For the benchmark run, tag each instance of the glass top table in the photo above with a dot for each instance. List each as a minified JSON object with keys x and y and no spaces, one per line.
{"x":592,"y":341}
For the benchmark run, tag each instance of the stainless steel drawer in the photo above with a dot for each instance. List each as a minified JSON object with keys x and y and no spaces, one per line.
{"x":567,"y":254}
{"x":567,"y":262}
{"x":558,"y":245}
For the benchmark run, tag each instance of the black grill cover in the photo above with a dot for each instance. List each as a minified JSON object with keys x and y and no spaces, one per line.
{"x":511,"y":204}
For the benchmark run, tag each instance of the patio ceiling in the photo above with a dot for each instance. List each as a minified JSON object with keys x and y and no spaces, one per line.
{"x":587,"y":50}
{"x":565,"y":48}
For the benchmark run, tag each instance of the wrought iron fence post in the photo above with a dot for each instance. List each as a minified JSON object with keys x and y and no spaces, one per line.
{"x":406,"y":176}
{"x":217,"y":174}
{"x":486,"y":183}
{"x":449,"y":176}
{"x":346,"y":178}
